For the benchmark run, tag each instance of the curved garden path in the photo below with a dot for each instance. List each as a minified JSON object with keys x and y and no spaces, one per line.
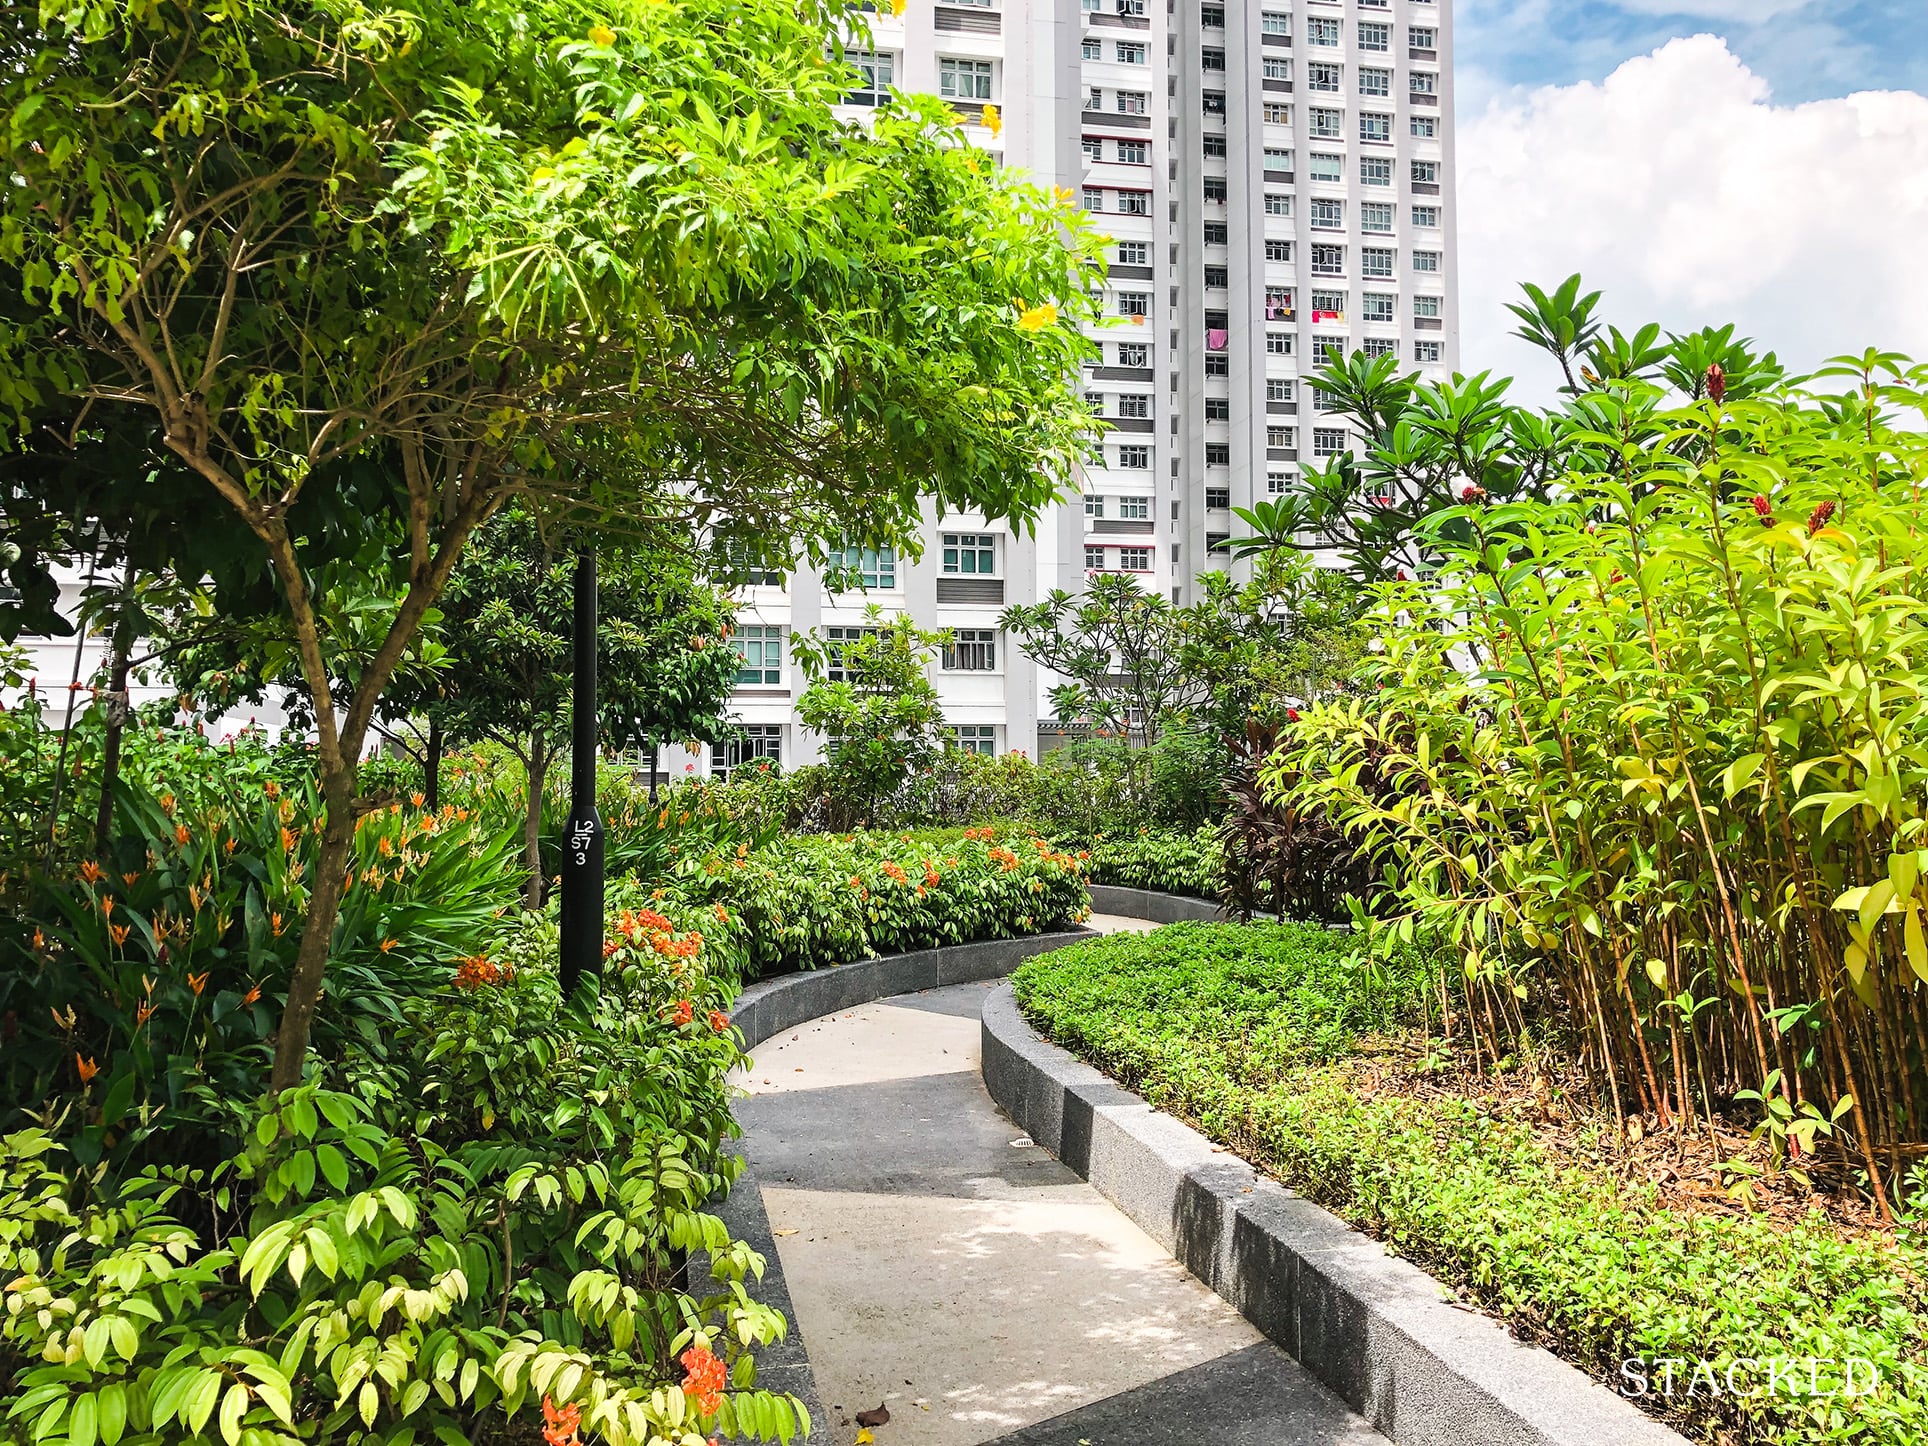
{"x":940,"y":1264}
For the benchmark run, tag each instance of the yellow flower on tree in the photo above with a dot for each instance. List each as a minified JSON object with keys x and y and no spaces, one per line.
{"x":602,"y":35}
{"x":898,"y":7}
{"x":1036,"y":318}
{"x":993,"y":122}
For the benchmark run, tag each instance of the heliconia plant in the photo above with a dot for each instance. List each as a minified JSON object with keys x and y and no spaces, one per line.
{"x":1650,"y":753}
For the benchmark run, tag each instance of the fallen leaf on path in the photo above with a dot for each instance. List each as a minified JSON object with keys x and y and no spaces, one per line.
{"x":783,"y":1232}
{"x":865,"y":1437}
{"x":878,"y":1417}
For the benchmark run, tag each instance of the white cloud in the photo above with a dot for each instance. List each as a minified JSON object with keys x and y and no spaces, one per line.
{"x":1683,"y":192}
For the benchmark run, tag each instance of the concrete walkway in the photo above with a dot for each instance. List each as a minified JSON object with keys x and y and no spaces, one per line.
{"x":942,"y":1265}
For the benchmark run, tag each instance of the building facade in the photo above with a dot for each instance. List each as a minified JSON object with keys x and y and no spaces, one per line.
{"x":1276,"y":179}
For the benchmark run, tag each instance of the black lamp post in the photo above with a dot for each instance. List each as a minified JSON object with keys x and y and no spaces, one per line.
{"x":582,"y":835}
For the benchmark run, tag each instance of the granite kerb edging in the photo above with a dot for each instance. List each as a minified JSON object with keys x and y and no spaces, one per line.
{"x":1375,"y":1329}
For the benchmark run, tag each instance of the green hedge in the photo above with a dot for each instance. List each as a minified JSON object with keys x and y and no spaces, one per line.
{"x":1245,"y":1032}
{"x":1169,"y":860}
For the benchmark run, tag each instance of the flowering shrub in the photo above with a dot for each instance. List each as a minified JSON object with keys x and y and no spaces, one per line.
{"x":807,"y":902}
{"x":1175,"y":863}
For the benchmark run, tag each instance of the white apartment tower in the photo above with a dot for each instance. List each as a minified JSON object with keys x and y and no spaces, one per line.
{"x":1276,"y":178}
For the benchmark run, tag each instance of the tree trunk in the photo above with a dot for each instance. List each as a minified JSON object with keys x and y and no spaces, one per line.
{"x":538,"y":763}
{"x":318,"y":932}
{"x":653,"y":750}
{"x":432,"y":766}
{"x":114,"y":706}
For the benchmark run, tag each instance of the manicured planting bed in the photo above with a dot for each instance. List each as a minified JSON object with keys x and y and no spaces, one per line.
{"x":1273,"y":1040}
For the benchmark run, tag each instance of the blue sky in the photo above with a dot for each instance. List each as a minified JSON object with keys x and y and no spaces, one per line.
{"x":1804,"y":49}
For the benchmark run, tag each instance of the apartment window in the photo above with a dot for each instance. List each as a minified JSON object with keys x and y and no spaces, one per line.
{"x":1375,"y":170}
{"x":759,"y":743}
{"x":1094,"y":504}
{"x":1278,"y":389}
{"x":1278,"y":251}
{"x":1094,"y":148}
{"x":1426,"y":127}
{"x":1375,"y":126}
{"x":1274,"y":22}
{"x":1218,"y":497}
{"x":1134,"y":354}
{"x":1376,"y":260}
{"x":1274,"y":68}
{"x":1375,"y":216}
{"x":1218,"y":409}
{"x":1218,"y":454}
{"x":1133,"y":102}
{"x":971,"y":650}
{"x":1217,"y":364}
{"x":1130,"y":52}
{"x":1095,"y":401}
{"x":1214,"y":146}
{"x":1134,"y":303}
{"x":1323,"y":75}
{"x":1213,"y":102}
{"x":759,"y":651}
{"x":1216,"y":233}
{"x":1375,"y":35}
{"x":1278,"y":343}
{"x":1328,"y":214}
{"x":1277,"y":114}
{"x":1131,"y":7}
{"x":1328,"y":441}
{"x":1134,"y":559}
{"x":1320,"y":30}
{"x":837,"y":643}
{"x":977,"y":738}
{"x":1134,"y":203}
{"x":1094,"y":99}
{"x":1134,"y":253}
{"x":1137,"y":508}
{"x":1328,"y":306}
{"x":1278,"y":483}
{"x":1426,"y":351}
{"x":877,"y":71}
{"x":1094,"y":559}
{"x":1422,"y":82}
{"x":1134,"y":459}
{"x":1327,"y":168}
{"x":1425,"y":261}
{"x":1324,"y":401}
{"x":875,"y":567}
{"x":1134,"y":153}
{"x":1426,"y":173}
{"x":1093,"y":49}
{"x":1426,"y":216}
{"x":1278,"y":203}
{"x":1379,"y":346}
{"x":1328,"y":260}
{"x":1094,"y":198}
{"x":1212,"y":16}
{"x":1425,"y":306}
{"x":1215,"y":190}
{"x":964,"y":79}
{"x":739,"y":567}
{"x":1374,"y":81}
{"x":1211,"y":58}
{"x":1278,"y":436}
{"x":1380,"y":307}
{"x":1422,"y":37}
{"x":1277,"y":159}
{"x":1325,"y":123}
{"x":1217,"y":278}
{"x":971,"y":554}
{"x":1091,"y":5}
{"x":1134,"y":405}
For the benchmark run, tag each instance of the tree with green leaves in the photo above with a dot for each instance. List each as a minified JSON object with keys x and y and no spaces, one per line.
{"x":872,"y":699}
{"x":620,"y":261}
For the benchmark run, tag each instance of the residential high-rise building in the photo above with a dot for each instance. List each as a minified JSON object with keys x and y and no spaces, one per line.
{"x":1276,"y":180}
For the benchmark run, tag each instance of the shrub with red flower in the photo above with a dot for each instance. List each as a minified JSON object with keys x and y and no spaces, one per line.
{"x":704,"y":1377}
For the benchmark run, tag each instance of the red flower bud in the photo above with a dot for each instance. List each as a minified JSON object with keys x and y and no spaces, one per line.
{"x":1716,"y":383}
{"x":1820,"y":517}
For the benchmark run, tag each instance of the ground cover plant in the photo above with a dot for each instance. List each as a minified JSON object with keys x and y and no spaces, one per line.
{"x":1306,"y":1054}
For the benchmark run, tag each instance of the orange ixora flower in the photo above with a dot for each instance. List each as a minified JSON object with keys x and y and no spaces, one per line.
{"x":88,"y":1069}
{"x":559,"y":1426}
{"x":704,"y":1376}
{"x":685,"y":1012}
{"x":477,"y":970}
{"x":719,"y":1021}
